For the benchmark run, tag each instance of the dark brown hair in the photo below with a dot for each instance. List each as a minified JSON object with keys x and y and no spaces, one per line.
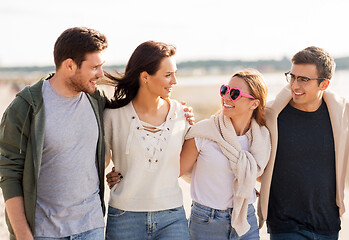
{"x":325,"y":64}
{"x":258,"y":89}
{"x":146,"y":57}
{"x":76,"y":42}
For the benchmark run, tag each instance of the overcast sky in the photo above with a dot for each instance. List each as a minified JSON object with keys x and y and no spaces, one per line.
{"x":200,"y":29}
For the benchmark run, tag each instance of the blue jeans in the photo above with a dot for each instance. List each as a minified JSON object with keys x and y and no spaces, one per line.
{"x":208,"y":223}
{"x":94,"y":234}
{"x":303,"y":235}
{"x":168,"y":224}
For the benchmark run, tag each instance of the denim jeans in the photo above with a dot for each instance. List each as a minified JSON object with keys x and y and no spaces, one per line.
{"x":168,"y":224}
{"x":94,"y":234}
{"x":303,"y":235}
{"x":208,"y":223}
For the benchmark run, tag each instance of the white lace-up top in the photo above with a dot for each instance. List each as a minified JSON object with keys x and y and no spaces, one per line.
{"x":147,"y":156}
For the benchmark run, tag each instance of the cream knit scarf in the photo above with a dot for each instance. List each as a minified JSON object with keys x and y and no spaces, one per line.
{"x":246,"y":166}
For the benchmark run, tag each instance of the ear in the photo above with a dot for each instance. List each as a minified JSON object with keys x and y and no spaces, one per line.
{"x":69,"y":65}
{"x":144,"y":77}
{"x":254,"y":104}
{"x":324,"y":84}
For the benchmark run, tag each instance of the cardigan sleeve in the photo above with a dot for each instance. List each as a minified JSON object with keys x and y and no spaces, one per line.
{"x":108,"y":134}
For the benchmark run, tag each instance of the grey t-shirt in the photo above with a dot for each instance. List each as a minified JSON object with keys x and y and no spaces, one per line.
{"x":68,"y":199}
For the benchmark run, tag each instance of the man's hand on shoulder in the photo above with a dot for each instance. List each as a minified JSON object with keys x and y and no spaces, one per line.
{"x":188,"y":113}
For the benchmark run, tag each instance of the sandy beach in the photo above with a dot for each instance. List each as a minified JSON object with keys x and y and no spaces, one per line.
{"x":205,"y":101}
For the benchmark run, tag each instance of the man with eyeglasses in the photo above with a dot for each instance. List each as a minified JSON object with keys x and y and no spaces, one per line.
{"x":302,"y":190}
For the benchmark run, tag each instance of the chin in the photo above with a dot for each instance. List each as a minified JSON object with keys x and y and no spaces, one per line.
{"x":166,"y":96}
{"x":226,"y":113}
{"x":90,"y":90}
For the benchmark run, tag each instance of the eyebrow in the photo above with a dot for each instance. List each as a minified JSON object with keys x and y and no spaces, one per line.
{"x":172,"y":71}
{"x":99,"y":64}
{"x":299,"y":76}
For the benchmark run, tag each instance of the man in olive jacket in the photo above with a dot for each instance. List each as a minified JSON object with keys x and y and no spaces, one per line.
{"x":52,"y":146}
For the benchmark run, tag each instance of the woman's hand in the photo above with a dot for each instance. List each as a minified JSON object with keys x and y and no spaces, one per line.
{"x":113,"y":178}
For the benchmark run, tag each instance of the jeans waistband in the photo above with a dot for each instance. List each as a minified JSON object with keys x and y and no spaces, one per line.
{"x":211,"y":210}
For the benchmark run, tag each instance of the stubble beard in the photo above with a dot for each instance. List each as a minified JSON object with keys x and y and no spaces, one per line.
{"x":76,"y":84}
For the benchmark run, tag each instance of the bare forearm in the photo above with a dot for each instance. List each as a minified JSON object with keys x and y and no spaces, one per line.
{"x":16,"y":214}
{"x":189,"y":155}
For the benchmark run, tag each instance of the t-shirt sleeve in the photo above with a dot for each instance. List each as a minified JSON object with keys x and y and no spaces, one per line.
{"x":200,"y":143}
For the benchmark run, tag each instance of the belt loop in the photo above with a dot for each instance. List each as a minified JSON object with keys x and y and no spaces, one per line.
{"x":212,"y":213}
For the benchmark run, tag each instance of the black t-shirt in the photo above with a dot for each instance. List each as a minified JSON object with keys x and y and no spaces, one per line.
{"x":303,"y":187}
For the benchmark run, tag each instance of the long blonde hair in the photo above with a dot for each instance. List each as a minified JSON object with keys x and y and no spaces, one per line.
{"x":258,"y":89}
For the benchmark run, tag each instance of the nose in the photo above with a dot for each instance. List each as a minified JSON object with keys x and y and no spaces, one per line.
{"x":174,"y":80}
{"x":100,"y":72}
{"x":294,"y":84}
{"x":226,"y":96}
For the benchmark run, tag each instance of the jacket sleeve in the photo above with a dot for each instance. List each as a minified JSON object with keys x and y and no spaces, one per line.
{"x":14,"y":130}
{"x":108,"y":130}
{"x":102,"y":98}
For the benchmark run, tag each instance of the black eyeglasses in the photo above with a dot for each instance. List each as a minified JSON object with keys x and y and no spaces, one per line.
{"x":290,"y":78}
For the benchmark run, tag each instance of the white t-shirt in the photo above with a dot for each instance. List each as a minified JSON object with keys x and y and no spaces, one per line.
{"x":212,"y":177}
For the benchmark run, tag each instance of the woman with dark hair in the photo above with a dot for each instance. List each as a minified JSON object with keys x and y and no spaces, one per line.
{"x":144,"y":133}
{"x":227,"y":153}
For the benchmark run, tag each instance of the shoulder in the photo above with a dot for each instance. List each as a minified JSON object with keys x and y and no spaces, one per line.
{"x":260,"y":130}
{"x":176,"y":111}
{"x":110,"y":113}
{"x":200,"y":129}
{"x":281,"y":100}
{"x":336,"y":103}
{"x":18,"y":106}
{"x":99,"y":95}
{"x":177,"y":106}
{"x":202,"y":124}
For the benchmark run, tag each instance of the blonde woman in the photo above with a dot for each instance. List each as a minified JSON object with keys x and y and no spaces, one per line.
{"x":226,"y":154}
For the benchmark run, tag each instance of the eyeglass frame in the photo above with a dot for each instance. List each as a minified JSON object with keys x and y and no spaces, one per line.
{"x":304,"y":80}
{"x":241,"y":94}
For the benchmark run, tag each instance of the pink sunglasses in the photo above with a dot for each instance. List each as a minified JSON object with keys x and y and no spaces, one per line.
{"x":234,"y":93}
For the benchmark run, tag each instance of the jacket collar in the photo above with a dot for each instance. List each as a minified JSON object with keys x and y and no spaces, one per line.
{"x":33,"y":94}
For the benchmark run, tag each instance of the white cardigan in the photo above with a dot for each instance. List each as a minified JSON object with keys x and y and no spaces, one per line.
{"x":147,"y":184}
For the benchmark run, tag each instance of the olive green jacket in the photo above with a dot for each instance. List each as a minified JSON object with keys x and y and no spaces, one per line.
{"x":21,"y":144}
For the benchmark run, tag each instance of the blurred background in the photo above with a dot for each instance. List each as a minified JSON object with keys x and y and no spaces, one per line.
{"x":213,"y":40}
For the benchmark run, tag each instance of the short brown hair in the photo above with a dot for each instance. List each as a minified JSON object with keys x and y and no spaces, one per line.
{"x":325,"y":64}
{"x":258,"y":89}
{"x":76,"y":42}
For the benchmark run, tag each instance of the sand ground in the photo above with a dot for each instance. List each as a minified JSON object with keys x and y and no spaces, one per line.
{"x":205,"y":102}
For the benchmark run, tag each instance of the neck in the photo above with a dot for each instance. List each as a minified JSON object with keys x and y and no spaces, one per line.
{"x":241,"y":125}
{"x":146,"y":103}
{"x":59,"y":84}
{"x":308,"y":107}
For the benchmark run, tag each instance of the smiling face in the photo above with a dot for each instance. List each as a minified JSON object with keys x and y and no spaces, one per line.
{"x":161,"y":83}
{"x":242,"y":107}
{"x":307,"y":97}
{"x":84,"y":79}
